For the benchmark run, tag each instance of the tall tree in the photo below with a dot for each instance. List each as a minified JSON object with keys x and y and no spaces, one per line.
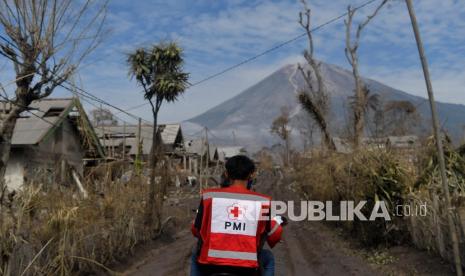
{"x":44,"y":41}
{"x":351,"y":52}
{"x":159,"y":70}
{"x":314,"y":100}
{"x":280,"y":127}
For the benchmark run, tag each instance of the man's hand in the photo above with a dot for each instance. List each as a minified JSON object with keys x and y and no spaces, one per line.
{"x":281,"y":220}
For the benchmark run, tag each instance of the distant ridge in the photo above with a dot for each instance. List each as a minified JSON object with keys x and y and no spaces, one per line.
{"x":250,"y":113}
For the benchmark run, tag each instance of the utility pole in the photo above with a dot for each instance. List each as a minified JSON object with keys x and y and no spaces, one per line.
{"x":124,"y":141}
{"x":437,"y":136}
{"x":234,"y":138}
{"x":207,"y":161}
{"x":139,"y":126}
{"x":104,"y":138}
{"x":201,"y":164}
{"x":138,"y":139}
{"x":103,"y":132}
{"x":112,"y":143}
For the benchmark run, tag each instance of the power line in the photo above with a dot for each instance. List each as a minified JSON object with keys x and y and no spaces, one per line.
{"x":196,"y":134}
{"x":43,"y":119}
{"x":79,"y":90}
{"x":56,"y":124}
{"x":216,"y":137}
{"x":84,"y":93}
{"x":84,"y":97}
{"x":35,"y":115}
{"x":98,"y":107}
{"x":274,"y":48}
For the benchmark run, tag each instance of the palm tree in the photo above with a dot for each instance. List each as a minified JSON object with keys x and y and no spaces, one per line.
{"x":159,"y":70}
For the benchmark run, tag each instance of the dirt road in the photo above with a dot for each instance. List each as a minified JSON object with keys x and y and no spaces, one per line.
{"x":308,"y":248}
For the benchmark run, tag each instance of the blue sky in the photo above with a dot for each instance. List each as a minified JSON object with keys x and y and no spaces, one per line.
{"x":217,"y":34}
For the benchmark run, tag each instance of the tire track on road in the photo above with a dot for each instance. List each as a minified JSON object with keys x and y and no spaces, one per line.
{"x":310,"y":248}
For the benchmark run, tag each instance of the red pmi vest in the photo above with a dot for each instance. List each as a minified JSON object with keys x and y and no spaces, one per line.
{"x":231,"y":228}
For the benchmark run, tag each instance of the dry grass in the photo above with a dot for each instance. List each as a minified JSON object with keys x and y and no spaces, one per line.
{"x":57,"y":233}
{"x":431,"y":232}
{"x":364,"y":175}
{"x":389,"y":176}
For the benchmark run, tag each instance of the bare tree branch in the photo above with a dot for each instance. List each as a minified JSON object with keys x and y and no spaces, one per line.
{"x":360,"y":99}
{"x":313,"y":100}
{"x":46,"y":41}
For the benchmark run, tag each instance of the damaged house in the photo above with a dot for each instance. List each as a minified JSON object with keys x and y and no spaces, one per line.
{"x":122,"y":141}
{"x":52,"y":139}
{"x":226,"y":152}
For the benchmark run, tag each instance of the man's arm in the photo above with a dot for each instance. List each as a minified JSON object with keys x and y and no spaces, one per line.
{"x":273,"y":228}
{"x":275,"y":232}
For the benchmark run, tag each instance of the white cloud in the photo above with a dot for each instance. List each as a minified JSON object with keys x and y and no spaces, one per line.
{"x":216,"y":40}
{"x":218,"y":34}
{"x":238,"y":32}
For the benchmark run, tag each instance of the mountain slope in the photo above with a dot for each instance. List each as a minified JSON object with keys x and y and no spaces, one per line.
{"x":249,"y":114}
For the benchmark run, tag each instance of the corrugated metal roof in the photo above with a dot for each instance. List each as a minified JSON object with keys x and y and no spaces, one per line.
{"x":169,"y":133}
{"x":196,"y":146}
{"x":31,"y":130}
{"x":228,"y":152}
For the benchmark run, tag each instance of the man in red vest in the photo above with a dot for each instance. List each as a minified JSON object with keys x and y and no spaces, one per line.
{"x":232,"y":225}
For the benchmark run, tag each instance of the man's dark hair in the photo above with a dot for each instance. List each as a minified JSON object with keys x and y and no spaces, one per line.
{"x":239,"y":167}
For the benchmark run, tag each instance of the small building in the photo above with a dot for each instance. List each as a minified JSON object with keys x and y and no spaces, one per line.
{"x":373,"y":143}
{"x":402,"y":142}
{"x":226,"y":152}
{"x":115,"y":138}
{"x":52,"y":137}
{"x":405,"y":144}
{"x":195,"y":152}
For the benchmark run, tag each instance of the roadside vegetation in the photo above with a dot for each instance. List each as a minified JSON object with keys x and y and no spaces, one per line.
{"x":399,"y":179}
{"x":364,"y":167}
{"x":48,"y":231}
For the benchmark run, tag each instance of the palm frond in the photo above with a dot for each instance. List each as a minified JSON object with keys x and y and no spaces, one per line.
{"x":160,"y":71}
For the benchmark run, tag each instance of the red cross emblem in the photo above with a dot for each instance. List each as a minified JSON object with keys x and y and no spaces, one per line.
{"x":236,"y":212}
